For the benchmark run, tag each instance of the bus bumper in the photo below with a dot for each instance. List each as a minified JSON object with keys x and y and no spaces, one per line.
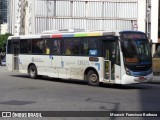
{"x":126,"y":79}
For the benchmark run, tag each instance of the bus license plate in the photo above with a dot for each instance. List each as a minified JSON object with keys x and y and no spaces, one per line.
{"x":140,"y":79}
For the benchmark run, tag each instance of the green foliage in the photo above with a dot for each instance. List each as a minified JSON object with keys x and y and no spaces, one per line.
{"x":3,"y":40}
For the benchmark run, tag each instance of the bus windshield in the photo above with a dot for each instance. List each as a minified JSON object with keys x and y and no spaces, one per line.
{"x":136,"y":52}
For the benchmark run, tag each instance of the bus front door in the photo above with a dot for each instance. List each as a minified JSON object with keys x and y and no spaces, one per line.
{"x":15,"y":55}
{"x":111,"y":59}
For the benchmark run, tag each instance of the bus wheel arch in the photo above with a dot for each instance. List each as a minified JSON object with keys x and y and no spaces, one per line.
{"x":32,"y":70}
{"x":92,"y":77}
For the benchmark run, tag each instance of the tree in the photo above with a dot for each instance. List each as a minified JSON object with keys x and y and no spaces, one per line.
{"x":3,"y":40}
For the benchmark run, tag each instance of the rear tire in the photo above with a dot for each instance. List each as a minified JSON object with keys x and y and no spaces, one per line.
{"x":33,"y":72}
{"x":93,"y":79}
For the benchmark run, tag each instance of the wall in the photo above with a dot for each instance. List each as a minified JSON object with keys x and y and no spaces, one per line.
{"x":154,"y":20}
{"x":142,"y":15}
{"x":35,"y":16}
{"x":89,"y":15}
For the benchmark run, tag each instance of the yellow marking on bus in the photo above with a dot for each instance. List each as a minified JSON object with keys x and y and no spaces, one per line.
{"x":94,"y":34}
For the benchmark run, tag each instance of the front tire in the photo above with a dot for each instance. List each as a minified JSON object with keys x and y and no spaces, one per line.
{"x":93,"y":79}
{"x":33,"y":72}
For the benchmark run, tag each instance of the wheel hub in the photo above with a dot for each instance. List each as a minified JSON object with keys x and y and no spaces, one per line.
{"x":93,"y":78}
{"x":32,"y":72}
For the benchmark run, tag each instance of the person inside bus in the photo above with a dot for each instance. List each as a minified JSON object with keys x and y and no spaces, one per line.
{"x":68,"y":51}
{"x":47,"y":50}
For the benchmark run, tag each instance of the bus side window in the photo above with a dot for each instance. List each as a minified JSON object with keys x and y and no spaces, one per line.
{"x":56,"y":47}
{"x":75,"y":47}
{"x":46,"y":43}
{"x":38,"y":46}
{"x":89,"y":47}
{"x":25,"y":46}
{"x":9,"y":47}
{"x":72,"y":46}
{"x":84,"y":47}
{"x":68,"y":47}
{"x":68,"y":51}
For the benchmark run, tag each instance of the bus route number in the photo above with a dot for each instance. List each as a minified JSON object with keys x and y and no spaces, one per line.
{"x":83,"y":62}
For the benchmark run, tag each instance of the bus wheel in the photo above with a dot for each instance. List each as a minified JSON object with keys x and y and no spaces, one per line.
{"x":33,"y":72}
{"x":92,"y":78}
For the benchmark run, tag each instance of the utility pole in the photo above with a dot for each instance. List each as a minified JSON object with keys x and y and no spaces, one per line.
{"x":148,"y":18}
{"x":47,"y":14}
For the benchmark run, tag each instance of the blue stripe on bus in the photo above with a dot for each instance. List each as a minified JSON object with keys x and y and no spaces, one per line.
{"x":142,"y":73}
{"x":143,"y":63}
{"x":98,"y":65}
{"x":67,"y":35}
{"x":50,"y":56}
{"x":62,"y":64}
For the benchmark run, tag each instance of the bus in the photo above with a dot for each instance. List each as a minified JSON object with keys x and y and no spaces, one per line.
{"x":114,"y":57}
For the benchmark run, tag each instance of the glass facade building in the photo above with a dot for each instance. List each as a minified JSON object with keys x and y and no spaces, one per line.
{"x":3,"y":11}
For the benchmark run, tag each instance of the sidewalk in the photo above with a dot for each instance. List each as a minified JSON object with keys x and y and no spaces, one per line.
{"x":156,"y":79}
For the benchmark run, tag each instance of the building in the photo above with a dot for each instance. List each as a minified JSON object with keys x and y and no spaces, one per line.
{"x":3,"y":16}
{"x":3,"y":11}
{"x":4,"y":28}
{"x":36,"y":16}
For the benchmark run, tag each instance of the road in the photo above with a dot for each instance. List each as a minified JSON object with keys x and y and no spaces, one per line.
{"x":20,"y":93}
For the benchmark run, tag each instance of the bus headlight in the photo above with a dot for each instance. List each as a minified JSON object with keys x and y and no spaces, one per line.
{"x":128,"y":72}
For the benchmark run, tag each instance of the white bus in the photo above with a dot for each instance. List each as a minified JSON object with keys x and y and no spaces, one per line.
{"x":97,"y":56}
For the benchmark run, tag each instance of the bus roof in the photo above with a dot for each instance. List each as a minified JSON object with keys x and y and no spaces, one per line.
{"x":131,"y":31}
{"x":65,"y":34}
{"x":69,"y":34}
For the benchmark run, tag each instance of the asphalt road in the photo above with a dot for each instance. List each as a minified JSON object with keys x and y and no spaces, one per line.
{"x":20,"y":93}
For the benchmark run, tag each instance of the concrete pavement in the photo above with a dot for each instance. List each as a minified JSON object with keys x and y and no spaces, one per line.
{"x":156,"y":79}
